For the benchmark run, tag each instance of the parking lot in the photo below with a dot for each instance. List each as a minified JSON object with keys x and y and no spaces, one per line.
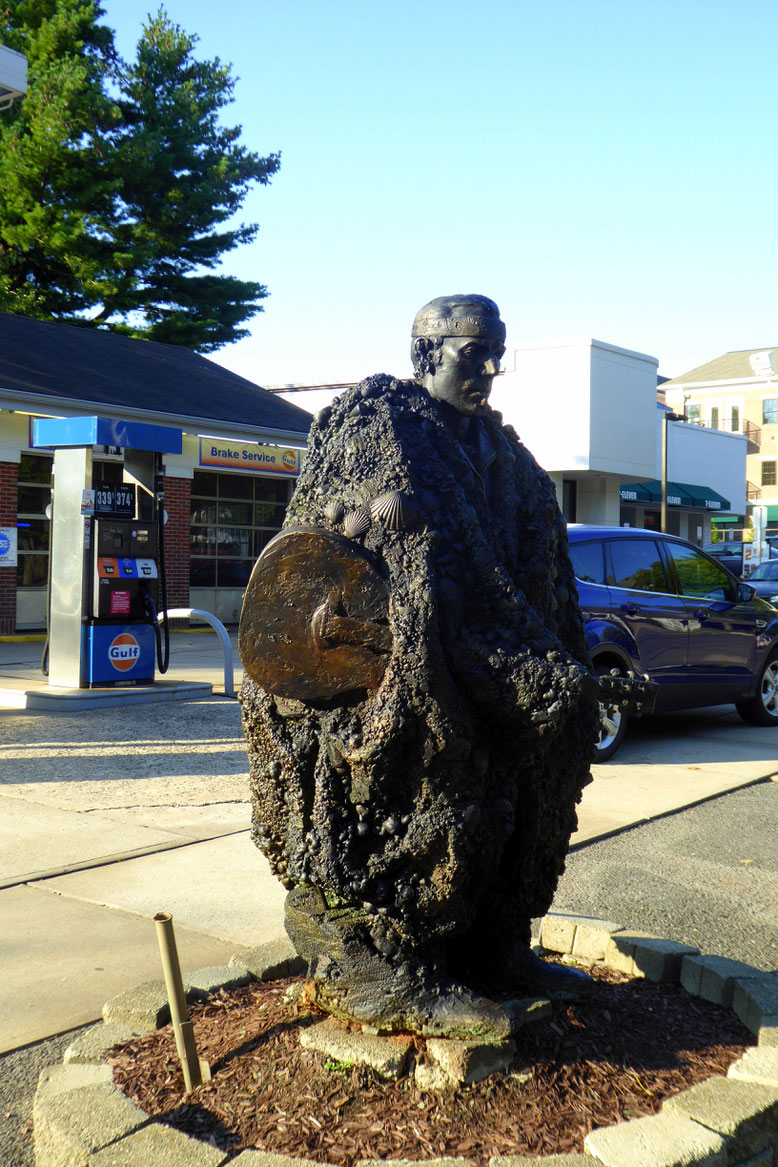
{"x":111,"y":815}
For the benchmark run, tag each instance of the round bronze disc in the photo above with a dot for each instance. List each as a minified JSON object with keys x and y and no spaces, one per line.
{"x":314,"y":621}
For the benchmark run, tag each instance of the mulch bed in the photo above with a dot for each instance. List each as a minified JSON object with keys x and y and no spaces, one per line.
{"x":617,"y":1056}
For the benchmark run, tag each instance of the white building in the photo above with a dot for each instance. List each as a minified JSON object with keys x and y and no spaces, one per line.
{"x":588,"y":411}
{"x":738,"y":392}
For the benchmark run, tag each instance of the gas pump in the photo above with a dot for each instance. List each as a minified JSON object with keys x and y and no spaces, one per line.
{"x":127,"y":577}
{"x":107,"y":577}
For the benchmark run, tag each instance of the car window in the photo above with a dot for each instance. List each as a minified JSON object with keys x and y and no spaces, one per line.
{"x":636,"y":563}
{"x":765,"y":571}
{"x":587,"y":562}
{"x":698,"y":575}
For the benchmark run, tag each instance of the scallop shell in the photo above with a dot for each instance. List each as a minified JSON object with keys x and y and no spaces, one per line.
{"x":393,"y":509}
{"x":334,"y":510}
{"x":356,"y":522}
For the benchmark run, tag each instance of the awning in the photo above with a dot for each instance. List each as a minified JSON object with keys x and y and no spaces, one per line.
{"x":772,"y":514}
{"x":679,"y":494}
{"x":726,"y":519}
{"x":705,"y":497}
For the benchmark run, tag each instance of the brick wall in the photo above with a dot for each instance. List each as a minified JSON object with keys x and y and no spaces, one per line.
{"x":177,"y":496}
{"x":9,"y":473}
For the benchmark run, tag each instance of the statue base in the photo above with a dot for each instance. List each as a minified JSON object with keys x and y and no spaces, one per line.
{"x":437,"y":1063}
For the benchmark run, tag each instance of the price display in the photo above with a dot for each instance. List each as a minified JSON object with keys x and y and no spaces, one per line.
{"x":113,"y":499}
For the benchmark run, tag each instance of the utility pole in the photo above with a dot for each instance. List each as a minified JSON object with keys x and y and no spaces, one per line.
{"x":667,"y":416}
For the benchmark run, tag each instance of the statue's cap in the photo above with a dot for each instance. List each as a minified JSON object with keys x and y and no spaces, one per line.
{"x":474,"y":316}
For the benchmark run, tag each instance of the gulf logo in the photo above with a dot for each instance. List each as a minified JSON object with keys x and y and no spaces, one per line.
{"x":123,"y":651}
{"x":289,"y":460}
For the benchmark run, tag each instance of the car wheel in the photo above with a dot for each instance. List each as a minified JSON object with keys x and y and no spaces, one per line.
{"x":763,"y":708}
{"x":613,"y":723}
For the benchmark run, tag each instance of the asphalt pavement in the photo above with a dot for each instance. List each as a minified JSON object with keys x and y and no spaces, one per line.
{"x":110,"y":815}
{"x":706,"y":876}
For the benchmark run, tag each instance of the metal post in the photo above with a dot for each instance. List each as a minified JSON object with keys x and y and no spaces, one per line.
{"x":663,"y":518}
{"x":667,"y":417}
{"x":221,"y":632}
{"x":72,"y":476}
{"x":196,"y":1071}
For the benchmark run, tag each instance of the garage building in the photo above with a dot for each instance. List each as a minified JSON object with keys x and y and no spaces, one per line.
{"x":225,"y":495}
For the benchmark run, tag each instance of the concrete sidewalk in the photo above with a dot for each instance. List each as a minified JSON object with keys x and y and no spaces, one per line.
{"x":108,"y":816}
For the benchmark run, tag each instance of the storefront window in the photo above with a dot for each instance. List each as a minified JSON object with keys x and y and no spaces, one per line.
{"x":32,"y":525}
{"x":34,"y":495}
{"x":233,"y":517}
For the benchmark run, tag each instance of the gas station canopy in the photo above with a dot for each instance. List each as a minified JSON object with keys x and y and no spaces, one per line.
{"x":56,"y":433}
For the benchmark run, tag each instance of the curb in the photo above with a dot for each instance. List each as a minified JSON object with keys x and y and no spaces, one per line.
{"x":81,"y":1119}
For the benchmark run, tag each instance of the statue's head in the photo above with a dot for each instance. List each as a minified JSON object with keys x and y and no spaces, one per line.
{"x":457,"y":345}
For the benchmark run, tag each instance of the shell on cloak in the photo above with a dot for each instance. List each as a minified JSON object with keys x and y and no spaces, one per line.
{"x":394,"y":510}
{"x":356,"y":522}
{"x":334,"y":510}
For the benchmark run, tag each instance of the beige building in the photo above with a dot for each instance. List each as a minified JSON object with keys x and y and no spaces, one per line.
{"x":738,"y":393}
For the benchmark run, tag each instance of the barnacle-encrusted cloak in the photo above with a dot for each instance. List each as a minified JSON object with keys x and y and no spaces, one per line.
{"x":439,"y":803}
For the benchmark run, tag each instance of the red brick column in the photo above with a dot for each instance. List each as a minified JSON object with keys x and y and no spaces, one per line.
{"x":177,"y":495}
{"x":9,"y":475}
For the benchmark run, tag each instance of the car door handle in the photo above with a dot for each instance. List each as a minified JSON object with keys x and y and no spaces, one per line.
{"x":629,"y":607}
{"x":700,"y":615}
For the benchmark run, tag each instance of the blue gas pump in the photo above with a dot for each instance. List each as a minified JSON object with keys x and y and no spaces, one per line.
{"x":107,"y":568}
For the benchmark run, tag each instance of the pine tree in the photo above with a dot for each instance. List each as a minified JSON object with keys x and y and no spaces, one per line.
{"x":124,"y":185}
{"x":56,"y":193}
{"x":183,"y":176}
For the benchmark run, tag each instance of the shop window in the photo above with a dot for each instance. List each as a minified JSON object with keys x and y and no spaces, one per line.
{"x":34,"y":495}
{"x":33,"y":527}
{"x":204,"y":484}
{"x":107,"y":472}
{"x":233,"y":516}
{"x":768,"y":474}
{"x":569,"y":499}
{"x":770,"y":411}
{"x":693,"y":413}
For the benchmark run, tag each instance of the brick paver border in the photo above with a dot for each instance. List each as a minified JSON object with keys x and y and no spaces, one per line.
{"x":80,"y":1119}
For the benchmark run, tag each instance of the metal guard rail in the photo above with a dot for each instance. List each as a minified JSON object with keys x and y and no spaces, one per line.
{"x":219,"y":629}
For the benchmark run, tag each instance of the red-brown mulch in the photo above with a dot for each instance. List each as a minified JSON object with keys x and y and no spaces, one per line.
{"x":590,"y":1064}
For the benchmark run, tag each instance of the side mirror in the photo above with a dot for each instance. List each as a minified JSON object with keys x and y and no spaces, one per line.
{"x":745,"y":592}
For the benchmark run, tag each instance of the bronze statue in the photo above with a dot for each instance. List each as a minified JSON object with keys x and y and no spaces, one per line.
{"x":418,"y":708}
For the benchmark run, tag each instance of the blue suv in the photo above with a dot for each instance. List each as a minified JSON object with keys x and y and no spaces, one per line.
{"x":658,"y":606}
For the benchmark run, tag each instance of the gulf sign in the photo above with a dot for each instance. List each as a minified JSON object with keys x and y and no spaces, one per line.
{"x":123,"y":652}
{"x":251,"y":456}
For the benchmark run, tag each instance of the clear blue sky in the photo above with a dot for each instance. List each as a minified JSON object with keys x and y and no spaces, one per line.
{"x":605,"y":169}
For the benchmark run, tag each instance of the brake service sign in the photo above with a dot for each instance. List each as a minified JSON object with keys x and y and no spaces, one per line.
{"x":228,"y":455}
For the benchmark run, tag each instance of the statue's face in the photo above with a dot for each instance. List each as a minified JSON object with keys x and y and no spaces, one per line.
{"x":463,"y":372}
